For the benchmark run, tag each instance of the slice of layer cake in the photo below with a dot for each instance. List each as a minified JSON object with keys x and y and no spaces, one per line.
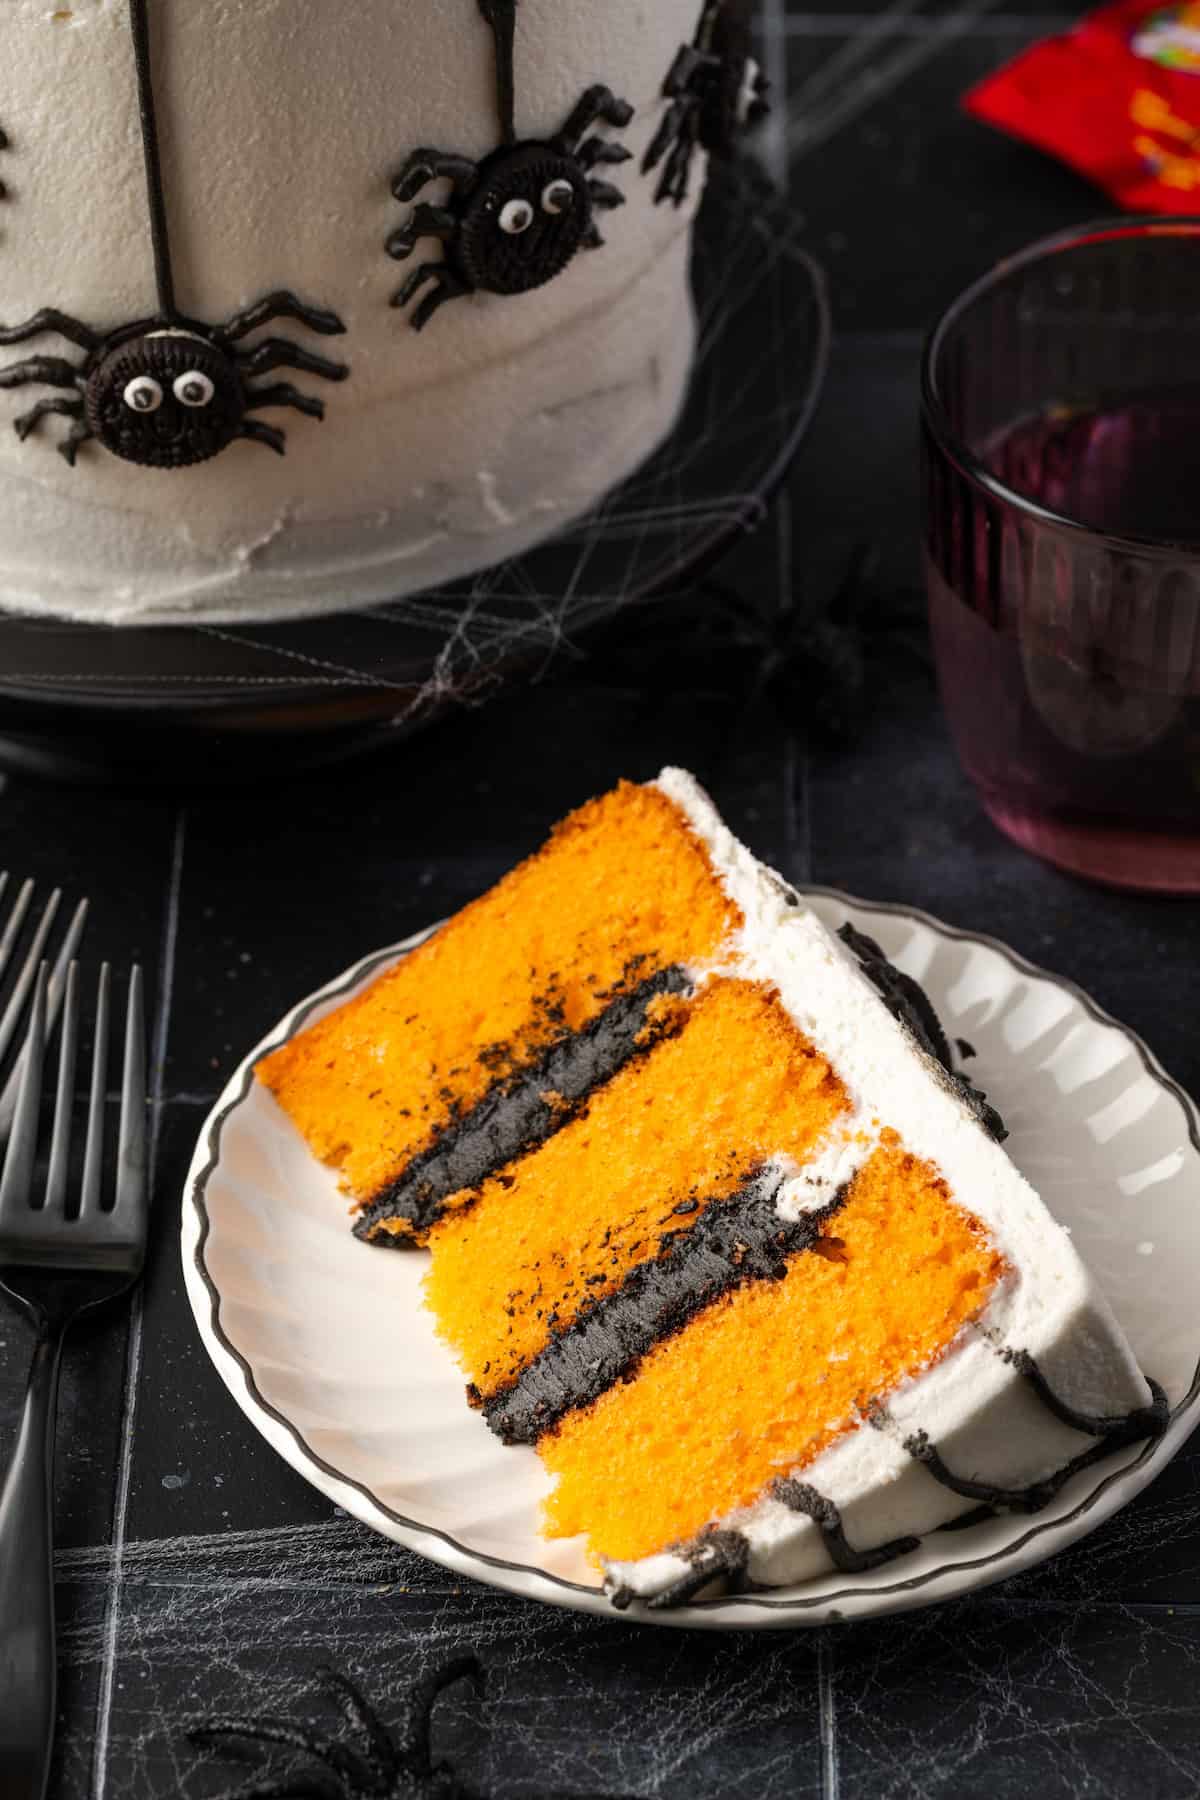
{"x":711,"y":1225}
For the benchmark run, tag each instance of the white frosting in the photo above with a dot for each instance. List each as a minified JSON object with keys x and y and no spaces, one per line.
{"x":835,"y":1162}
{"x":282,"y":126}
{"x":974,"y":1405}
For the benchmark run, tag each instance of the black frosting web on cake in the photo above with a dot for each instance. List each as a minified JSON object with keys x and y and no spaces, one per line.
{"x":907,"y":1001}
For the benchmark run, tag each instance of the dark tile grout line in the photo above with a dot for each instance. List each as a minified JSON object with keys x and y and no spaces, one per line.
{"x":133,"y":1353}
{"x":831,"y":1786}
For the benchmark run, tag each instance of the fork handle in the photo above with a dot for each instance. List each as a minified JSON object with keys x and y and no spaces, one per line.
{"x":27,"y":1661}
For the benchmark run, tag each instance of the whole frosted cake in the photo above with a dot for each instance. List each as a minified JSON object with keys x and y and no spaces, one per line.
{"x":436,"y":252}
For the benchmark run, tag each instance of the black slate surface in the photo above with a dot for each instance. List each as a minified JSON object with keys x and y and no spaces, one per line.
{"x":196,"y":1571}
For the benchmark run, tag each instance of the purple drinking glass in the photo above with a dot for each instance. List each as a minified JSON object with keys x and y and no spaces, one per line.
{"x":1061,"y":469}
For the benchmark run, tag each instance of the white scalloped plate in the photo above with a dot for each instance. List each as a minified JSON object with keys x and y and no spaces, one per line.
{"x":325,"y":1345}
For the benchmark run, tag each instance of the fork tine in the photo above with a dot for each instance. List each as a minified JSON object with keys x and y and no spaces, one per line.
{"x":60,"y":1137}
{"x":16,"y":919}
{"x":8,"y":1098}
{"x":93,"y":1155}
{"x":29,"y":969}
{"x":17,"y":1181}
{"x":62,"y":963}
{"x":131,"y":1152}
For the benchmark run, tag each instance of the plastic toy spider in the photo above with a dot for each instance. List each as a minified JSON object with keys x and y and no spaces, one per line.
{"x":168,"y":393}
{"x":515,"y":219}
{"x":376,"y":1765}
{"x":715,"y":90}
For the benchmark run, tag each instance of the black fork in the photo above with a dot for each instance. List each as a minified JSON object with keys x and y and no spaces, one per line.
{"x":12,"y":1019}
{"x":56,"y":1264}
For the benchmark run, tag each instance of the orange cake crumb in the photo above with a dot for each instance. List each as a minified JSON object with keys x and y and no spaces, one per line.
{"x":560,"y":1230}
{"x":767,"y":1378}
{"x":372,"y":1084}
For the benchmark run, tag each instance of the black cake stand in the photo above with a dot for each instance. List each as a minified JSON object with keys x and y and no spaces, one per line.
{"x":176,"y":703}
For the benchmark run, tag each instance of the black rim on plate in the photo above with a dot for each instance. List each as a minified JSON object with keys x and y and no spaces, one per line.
{"x":763,"y":1601}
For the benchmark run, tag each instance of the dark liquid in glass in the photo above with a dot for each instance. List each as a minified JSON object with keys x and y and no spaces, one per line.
{"x":1131,"y":469}
{"x":1075,"y":702}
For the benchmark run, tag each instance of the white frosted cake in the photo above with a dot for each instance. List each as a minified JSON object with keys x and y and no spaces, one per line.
{"x":461,"y":225}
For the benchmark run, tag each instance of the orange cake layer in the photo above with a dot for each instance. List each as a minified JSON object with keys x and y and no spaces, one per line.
{"x":768,"y":1377}
{"x":562,"y":1228}
{"x":372,"y":1084}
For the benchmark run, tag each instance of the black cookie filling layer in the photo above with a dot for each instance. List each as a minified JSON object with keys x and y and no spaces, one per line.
{"x":523,"y":1111}
{"x":735,"y":1241}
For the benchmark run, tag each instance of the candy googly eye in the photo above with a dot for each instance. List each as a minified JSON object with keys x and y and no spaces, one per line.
{"x":557,"y":196}
{"x":143,"y":394}
{"x":516,"y":217}
{"x":193,"y":388}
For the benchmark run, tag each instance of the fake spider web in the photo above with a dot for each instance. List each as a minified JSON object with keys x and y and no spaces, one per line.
{"x":762,"y":353}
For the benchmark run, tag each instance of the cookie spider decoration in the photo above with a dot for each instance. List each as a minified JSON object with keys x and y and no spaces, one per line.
{"x":167,"y":395}
{"x":515,"y":219}
{"x":168,"y":391}
{"x":375,"y":1764}
{"x":714,"y":90}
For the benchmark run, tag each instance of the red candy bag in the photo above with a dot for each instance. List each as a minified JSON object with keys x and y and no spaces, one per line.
{"x":1118,"y":98}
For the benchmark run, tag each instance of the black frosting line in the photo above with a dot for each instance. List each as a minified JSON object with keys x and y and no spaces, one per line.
{"x":1123,"y":1428}
{"x":522,"y":1111}
{"x":907,"y":1001}
{"x":735,"y":1241}
{"x":1111,"y":1432}
{"x":156,"y":201}
{"x":501,"y":16}
{"x":713,"y":1556}
{"x":799,"y":1497}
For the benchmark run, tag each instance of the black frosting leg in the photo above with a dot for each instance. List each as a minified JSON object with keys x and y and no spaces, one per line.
{"x":425,"y":221}
{"x":282,"y":304}
{"x":53,"y":370}
{"x":281,"y":353}
{"x":270,"y":435}
{"x":284,"y":394}
{"x":424,"y":166}
{"x":69,"y":448}
{"x":50,"y":319}
{"x":599,"y":105}
{"x":28,"y":420}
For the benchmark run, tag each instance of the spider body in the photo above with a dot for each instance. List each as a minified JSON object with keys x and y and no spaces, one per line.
{"x":164,"y":397}
{"x":521,"y":224}
{"x":714,"y":90}
{"x":167,"y":393}
{"x":514,"y":220}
